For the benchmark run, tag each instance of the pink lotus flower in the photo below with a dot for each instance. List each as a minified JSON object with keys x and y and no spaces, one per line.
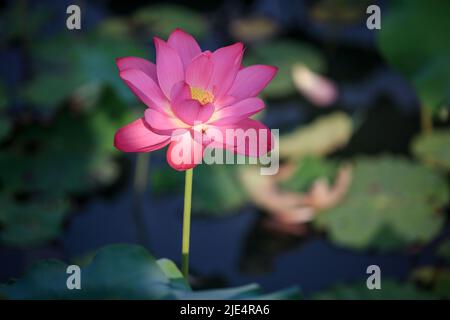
{"x":192,"y":94}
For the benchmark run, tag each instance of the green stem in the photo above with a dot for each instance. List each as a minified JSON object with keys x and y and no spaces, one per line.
{"x":186,"y":223}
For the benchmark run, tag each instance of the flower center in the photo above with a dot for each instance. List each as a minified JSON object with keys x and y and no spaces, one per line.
{"x":201,"y":95}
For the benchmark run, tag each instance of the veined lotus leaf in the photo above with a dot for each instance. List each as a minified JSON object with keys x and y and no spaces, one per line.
{"x":415,"y":40}
{"x":216,"y":189}
{"x":174,"y":275}
{"x":284,"y":54}
{"x":391,"y":203}
{"x":162,"y":19}
{"x":324,"y":135}
{"x":390,"y":290}
{"x":433,"y":149}
{"x":122,"y":272}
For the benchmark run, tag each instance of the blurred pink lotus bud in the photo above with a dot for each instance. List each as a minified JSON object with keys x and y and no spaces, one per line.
{"x":319,"y":90}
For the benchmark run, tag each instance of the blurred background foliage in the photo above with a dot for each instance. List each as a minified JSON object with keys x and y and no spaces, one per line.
{"x":414,"y":40}
{"x":364,"y":154}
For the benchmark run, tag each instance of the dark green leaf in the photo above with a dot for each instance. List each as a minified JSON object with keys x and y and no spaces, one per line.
{"x":91,"y":60}
{"x":414,"y":38}
{"x":122,"y":272}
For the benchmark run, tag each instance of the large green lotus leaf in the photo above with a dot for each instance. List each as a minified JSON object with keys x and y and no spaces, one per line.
{"x":47,"y":90}
{"x":171,"y":271}
{"x":181,"y":289}
{"x":72,"y":154}
{"x":162,"y":19}
{"x":45,"y":164}
{"x":216,"y":189}
{"x":414,"y":38}
{"x":117,"y":271}
{"x":31,"y":223}
{"x":326,"y":134}
{"x":97,"y":60}
{"x":91,"y":60}
{"x":284,"y":54}
{"x":55,"y":75}
{"x":390,"y":290}
{"x":121,"y":272}
{"x":433,"y":149}
{"x":391,"y":203}
{"x":250,"y":291}
{"x":307,"y":171}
